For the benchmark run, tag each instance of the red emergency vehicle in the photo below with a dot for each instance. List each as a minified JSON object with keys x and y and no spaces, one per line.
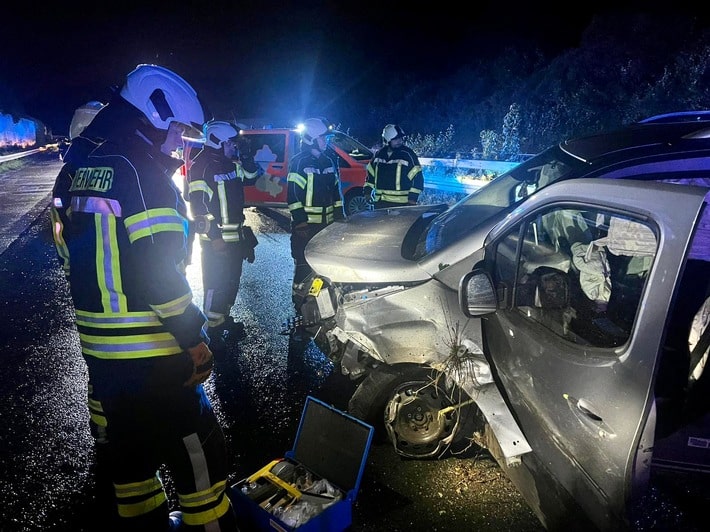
{"x":273,"y":149}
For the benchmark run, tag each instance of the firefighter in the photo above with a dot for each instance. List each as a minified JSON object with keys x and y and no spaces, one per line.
{"x":394,"y":176}
{"x":216,"y":179}
{"x":81,"y":145}
{"x":141,"y":335}
{"x":315,"y":199}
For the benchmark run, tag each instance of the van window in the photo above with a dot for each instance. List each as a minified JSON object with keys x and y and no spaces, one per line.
{"x":354,"y":148}
{"x":578,"y":272}
{"x":268,"y":148}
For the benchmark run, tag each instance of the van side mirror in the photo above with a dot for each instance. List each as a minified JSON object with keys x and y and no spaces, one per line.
{"x":476,"y":294}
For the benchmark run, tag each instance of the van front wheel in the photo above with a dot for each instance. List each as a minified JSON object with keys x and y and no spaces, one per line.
{"x":410,"y":407}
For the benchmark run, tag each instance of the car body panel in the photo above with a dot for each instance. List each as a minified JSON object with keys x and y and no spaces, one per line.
{"x":573,"y":424}
{"x":372,"y":255}
{"x":583,"y":409}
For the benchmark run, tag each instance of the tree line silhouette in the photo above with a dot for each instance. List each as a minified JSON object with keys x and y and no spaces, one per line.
{"x":628,"y":66}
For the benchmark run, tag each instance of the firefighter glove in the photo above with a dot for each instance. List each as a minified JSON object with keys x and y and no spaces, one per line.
{"x":249,"y":242}
{"x":202,"y":364}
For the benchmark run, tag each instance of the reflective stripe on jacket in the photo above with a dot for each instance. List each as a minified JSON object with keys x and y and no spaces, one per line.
{"x":125,"y":236}
{"x":314,"y":194}
{"x":395,"y":175}
{"x":216,"y":186}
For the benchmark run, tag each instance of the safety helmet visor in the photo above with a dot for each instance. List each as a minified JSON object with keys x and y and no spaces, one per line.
{"x":163,"y":97}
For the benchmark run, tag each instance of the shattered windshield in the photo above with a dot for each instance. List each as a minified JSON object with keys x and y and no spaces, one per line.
{"x":499,"y":195}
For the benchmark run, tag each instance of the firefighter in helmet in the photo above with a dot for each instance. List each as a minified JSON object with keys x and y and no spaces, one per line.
{"x":216,"y":180}
{"x":141,"y":335}
{"x":314,"y":195}
{"x":394,"y":176}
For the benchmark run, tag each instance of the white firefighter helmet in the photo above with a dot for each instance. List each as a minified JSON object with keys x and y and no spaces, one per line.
{"x":314,"y":128}
{"x":217,"y":131}
{"x":391,"y":132}
{"x":83,"y":116}
{"x":163,"y":97}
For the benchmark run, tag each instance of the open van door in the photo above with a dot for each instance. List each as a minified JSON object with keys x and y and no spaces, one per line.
{"x":585,"y":277}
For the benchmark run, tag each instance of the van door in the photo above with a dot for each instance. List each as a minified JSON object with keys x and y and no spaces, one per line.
{"x":585,"y":287}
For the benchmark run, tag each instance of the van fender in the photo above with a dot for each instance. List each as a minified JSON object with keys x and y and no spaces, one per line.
{"x":470,"y":371}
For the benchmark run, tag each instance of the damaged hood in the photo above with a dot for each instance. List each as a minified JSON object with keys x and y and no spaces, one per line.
{"x":367,"y":247}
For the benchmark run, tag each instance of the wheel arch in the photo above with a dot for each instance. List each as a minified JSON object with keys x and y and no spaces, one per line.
{"x":417,"y":409}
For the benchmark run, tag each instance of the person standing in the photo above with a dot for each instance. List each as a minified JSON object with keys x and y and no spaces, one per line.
{"x":216,"y":184}
{"x":394,"y":176}
{"x":314,"y":195}
{"x":81,"y":145}
{"x":141,"y":335}
{"x":79,"y":148}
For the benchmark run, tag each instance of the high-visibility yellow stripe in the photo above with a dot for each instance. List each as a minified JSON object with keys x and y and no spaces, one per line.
{"x":205,"y":516}
{"x":149,"y":494}
{"x":297,"y":178}
{"x":129,"y":346}
{"x":116,"y":320}
{"x":108,"y":271}
{"x":173,"y":308}
{"x":208,"y":496}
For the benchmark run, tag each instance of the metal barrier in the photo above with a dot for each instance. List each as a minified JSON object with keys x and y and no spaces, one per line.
{"x":453,"y":175}
{"x":10,"y":157}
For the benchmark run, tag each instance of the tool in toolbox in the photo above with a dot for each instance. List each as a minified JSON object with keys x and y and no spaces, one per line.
{"x":278,"y":474}
{"x":314,"y":486}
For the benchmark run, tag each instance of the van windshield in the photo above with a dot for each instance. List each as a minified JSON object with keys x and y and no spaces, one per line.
{"x":354,"y":148}
{"x":499,"y":196}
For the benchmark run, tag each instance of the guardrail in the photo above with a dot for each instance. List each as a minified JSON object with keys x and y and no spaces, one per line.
{"x":10,"y":157}
{"x":454,"y":175}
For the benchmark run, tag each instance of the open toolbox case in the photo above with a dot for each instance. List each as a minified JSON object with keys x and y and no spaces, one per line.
{"x":313,"y":487}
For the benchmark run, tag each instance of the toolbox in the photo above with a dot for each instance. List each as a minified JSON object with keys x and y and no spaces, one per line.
{"x":313,"y":487}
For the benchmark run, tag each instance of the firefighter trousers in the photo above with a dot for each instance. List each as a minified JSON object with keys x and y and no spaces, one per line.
{"x":221,"y":276}
{"x":299,"y":239}
{"x":152,"y":421}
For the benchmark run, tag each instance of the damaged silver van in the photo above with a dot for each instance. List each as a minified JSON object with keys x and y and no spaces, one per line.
{"x":548,"y":317}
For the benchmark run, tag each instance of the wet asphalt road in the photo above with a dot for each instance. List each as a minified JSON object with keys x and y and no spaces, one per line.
{"x":50,"y":479}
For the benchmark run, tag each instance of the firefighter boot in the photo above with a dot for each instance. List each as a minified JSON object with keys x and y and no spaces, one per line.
{"x":234,"y":329}
{"x":217,"y":344}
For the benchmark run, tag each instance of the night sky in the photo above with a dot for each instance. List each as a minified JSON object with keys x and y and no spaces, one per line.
{"x":259,"y":60}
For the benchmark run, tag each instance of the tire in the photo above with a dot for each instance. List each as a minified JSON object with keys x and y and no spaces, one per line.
{"x":355,"y":202}
{"x":402,"y":404}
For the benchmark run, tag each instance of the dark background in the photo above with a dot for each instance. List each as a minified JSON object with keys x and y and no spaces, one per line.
{"x":272,"y":59}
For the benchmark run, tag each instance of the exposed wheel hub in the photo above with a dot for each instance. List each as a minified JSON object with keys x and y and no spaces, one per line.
{"x":415,"y":422}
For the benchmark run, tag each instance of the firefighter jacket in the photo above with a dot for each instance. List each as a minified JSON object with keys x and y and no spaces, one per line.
{"x":76,"y":153}
{"x":125,"y":239}
{"x":314,"y":194}
{"x":216,"y":185}
{"x":395,"y":176}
